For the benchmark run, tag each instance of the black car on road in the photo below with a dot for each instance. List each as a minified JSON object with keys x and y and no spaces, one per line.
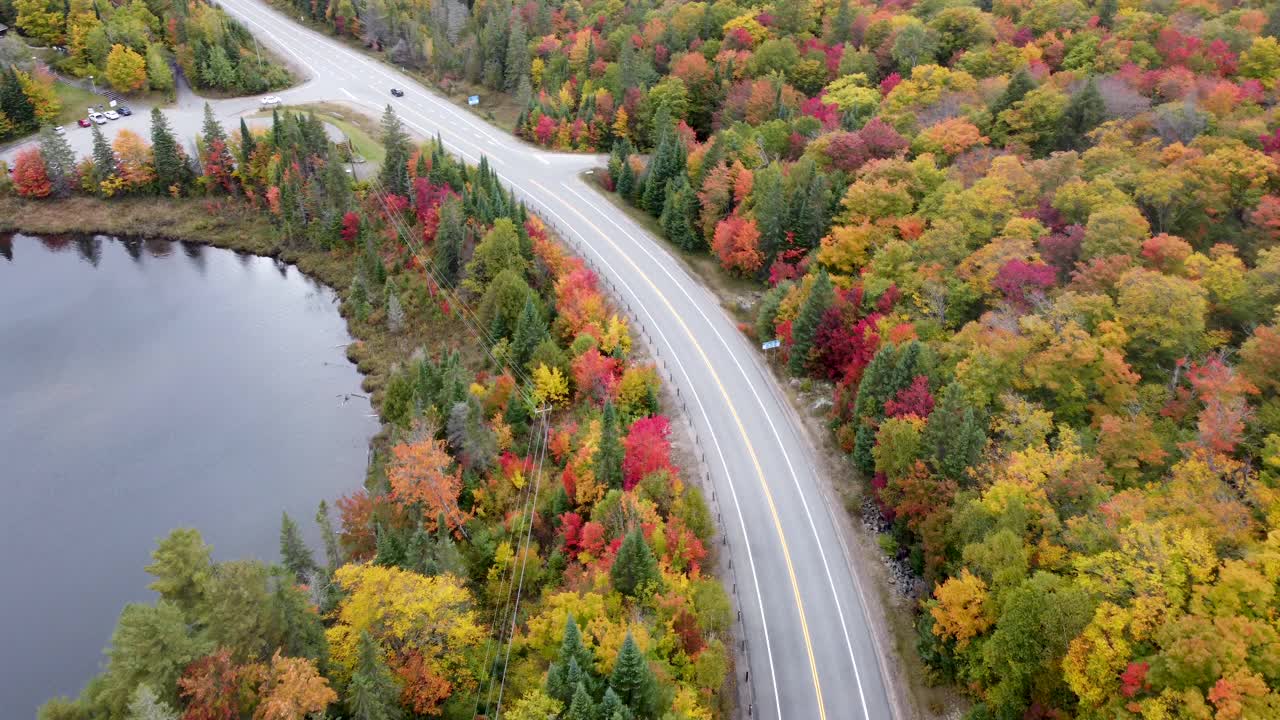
{"x":397,"y":92}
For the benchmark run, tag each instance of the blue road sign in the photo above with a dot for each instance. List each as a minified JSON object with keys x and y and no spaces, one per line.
{"x":771,"y":345}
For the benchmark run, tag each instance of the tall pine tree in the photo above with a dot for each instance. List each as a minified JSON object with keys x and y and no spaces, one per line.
{"x":447,"y":249}
{"x":634,"y":566}
{"x":805,"y":328}
{"x":170,"y":161}
{"x":633,"y":680}
{"x":59,"y":162}
{"x":104,"y":158}
{"x":608,"y":457}
{"x":1085,"y":112}
{"x":955,"y":434}
{"x":394,"y":174}
{"x":294,"y":551}
{"x":373,"y":693}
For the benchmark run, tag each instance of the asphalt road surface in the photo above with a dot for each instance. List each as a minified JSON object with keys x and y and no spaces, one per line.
{"x":810,"y":653}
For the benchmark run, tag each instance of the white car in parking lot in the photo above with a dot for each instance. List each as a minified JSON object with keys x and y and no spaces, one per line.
{"x":112,"y":115}
{"x":98,"y":118}
{"x":271,"y":101}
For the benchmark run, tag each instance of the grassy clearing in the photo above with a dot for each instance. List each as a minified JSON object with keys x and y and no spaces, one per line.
{"x":360,"y":128}
{"x":74,"y":102}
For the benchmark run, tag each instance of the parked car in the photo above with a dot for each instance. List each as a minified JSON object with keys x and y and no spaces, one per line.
{"x":124,"y":110}
{"x":397,"y":92}
{"x":83,"y":122}
{"x":112,"y":115}
{"x":59,"y":129}
{"x":98,"y":118}
{"x":270,"y":101}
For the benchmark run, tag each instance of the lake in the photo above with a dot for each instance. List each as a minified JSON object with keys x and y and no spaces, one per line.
{"x":147,"y":385}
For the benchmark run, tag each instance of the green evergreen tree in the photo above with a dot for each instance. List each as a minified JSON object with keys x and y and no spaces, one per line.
{"x":389,"y":551}
{"x":808,"y":203}
{"x":14,"y":103}
{"x":581,"y":708}
{"x":332,"y":555}
{"x":677,"y":219}
{"x":955,"y":434}
{"x":170,"y":163}
{"x":633,"y":680}
{"x":611,"y":705}
{"x":1085,"y":112}
{"x":1019,"y":85}
{"x":247,"y":143}
{"x":1107,"y":13}
{"x":448,"y":243}
{"x":770,"y":210}
{"x":530,"y":329}
{"x":294,"y":551}
{"x":517,"y":59}
{"x":298,"y":628}
{"x":394,"y":174}
{"x":211,"y":130}
{"x":373,"y":693}
{"x":634,"y":566}
{"x":572,"y":665}
{"x":608,"y":458}
{"x":805,"y":328}
{"x":59,"y":162}
{"x":841,"y":30}
{"x":104,"y":158}
{"x":891,"y":370}
{"x":626,"y":185}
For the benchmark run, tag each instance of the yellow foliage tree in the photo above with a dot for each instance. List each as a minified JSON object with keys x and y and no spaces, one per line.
{"x":39,"y":90}
{"x":126,"y":69}
{"x":960,"y":612}
{"x":550,"y":386}
{"x":426,"y":619}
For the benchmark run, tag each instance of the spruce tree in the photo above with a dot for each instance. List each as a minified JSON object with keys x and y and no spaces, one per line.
{"x":608,"y":458}
{"x":530,"y":329}
{"x":448,"y":243}
{"x":59,"y":161}
{"x":14,"y":103}
{"x":247,"y":143}
{"x":389,"y":551}
{"x":633,"y":680}
{"x":955,"y":434}
{"x":1107,"y":13}
{"x":581,"y":708}
{"x":770,"y":210}
{"x":805,"y":328}
{"x":676,"y":220}
{"x":294,"y":552}
{"x":634,"y":566}
{"x":332,"y":555}
{"x":104,"y":158}
{"x":373,"y":693}
{"x":394,"y":174}
{"x":517,"y":60}
{"x":626,"y":185}
{"x":211,"y":130}
{"x":171,"y":166}
{"x":842,"y":26}
{"x":1084,"y":113}
{"x":146,"y":705}
{"x":611,"y":705}
{"x":1019,"y":85}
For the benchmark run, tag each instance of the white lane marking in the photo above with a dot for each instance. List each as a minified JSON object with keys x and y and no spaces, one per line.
{"x":376,"y":67}
{"x":283,"y":45}
{"x":768,"y":418}
{"x":697,"y":398}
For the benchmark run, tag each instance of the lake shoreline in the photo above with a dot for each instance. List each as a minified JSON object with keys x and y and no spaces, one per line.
{"x":229,"y":225}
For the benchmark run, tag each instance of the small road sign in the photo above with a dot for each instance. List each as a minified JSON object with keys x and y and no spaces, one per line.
{"x":473,"y":99}
{"x":771,"y":345}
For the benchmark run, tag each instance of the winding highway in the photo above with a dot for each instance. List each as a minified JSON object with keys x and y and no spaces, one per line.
{"x":810,"y":651}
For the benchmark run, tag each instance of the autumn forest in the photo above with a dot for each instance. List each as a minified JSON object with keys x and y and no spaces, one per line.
{"x":1028,"y":251}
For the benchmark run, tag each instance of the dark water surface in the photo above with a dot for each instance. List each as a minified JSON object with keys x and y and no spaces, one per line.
{"x":147,"y":385}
